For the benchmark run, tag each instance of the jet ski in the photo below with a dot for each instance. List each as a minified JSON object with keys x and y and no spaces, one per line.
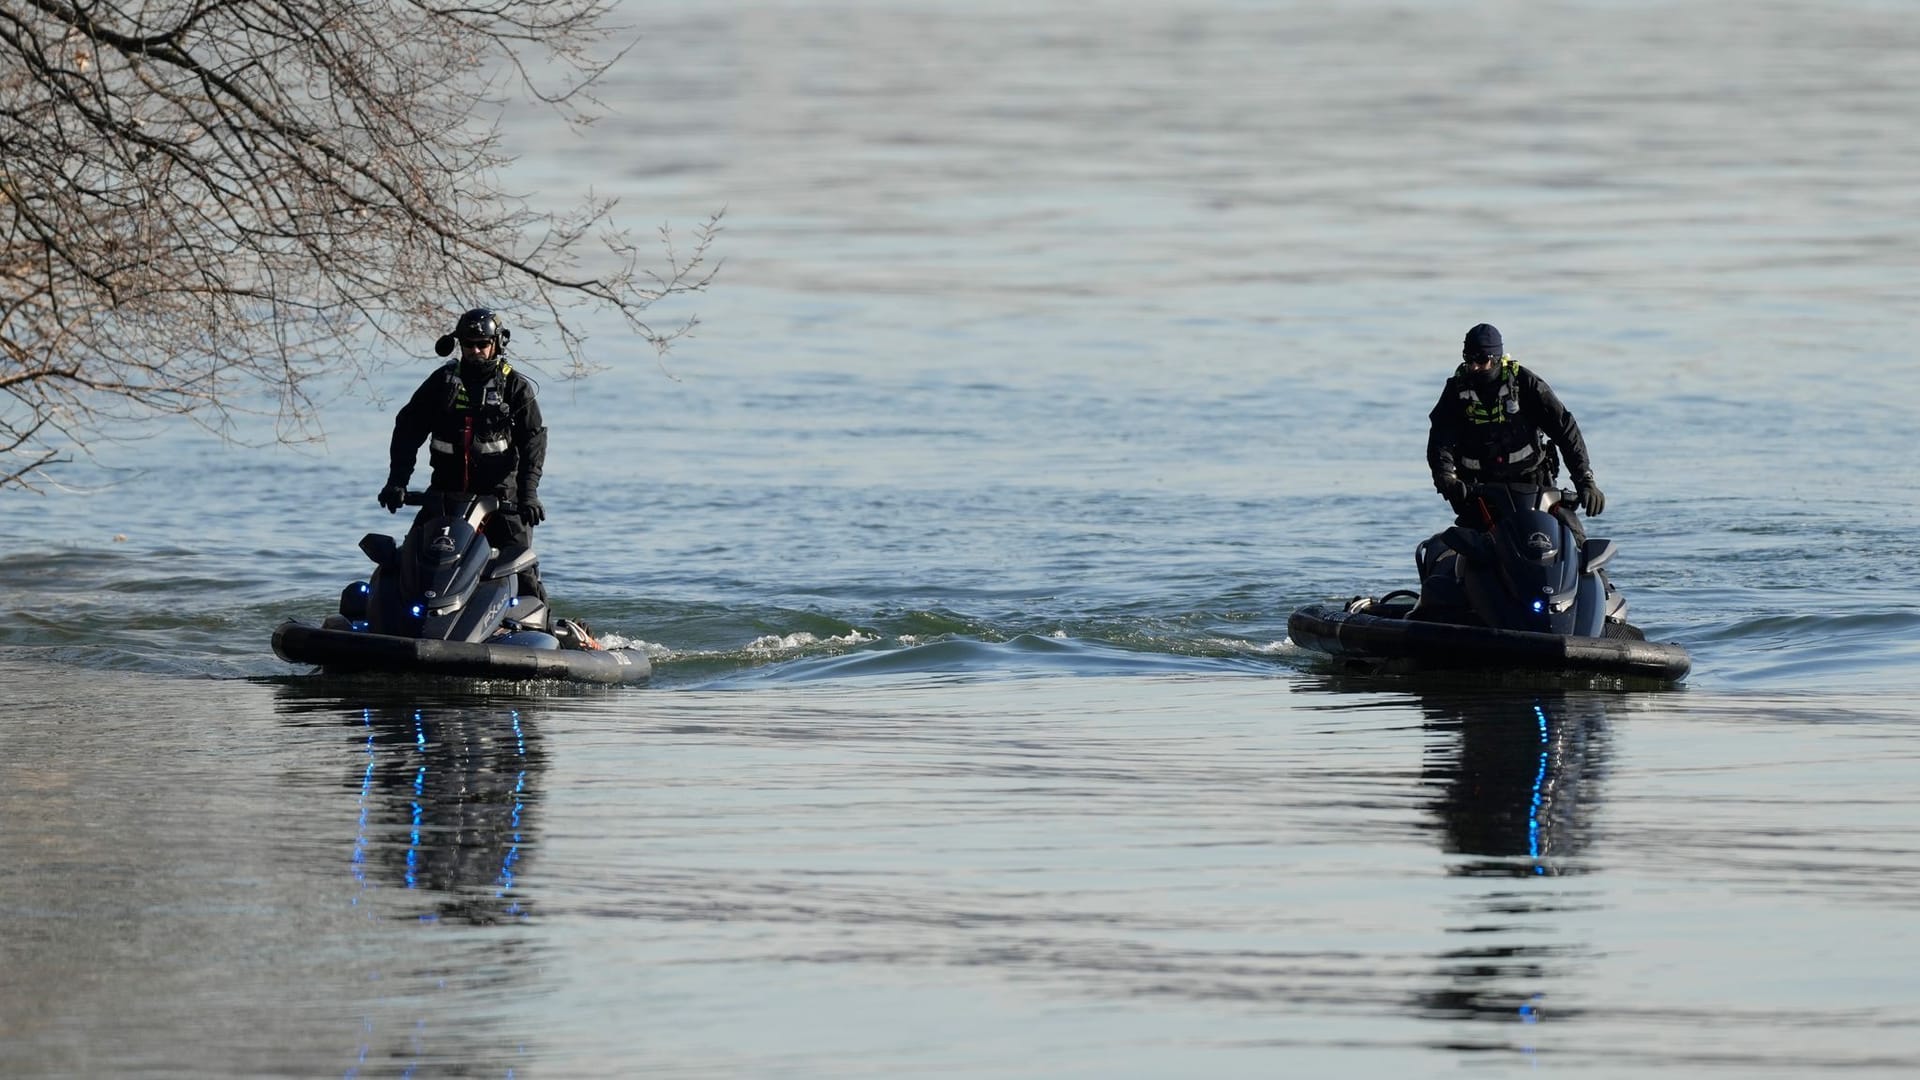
{"x":1520,"y":593}
{"x":444,"y":602}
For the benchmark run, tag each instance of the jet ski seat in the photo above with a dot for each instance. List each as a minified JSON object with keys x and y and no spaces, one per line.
{"x":1443,"y":594}
{"x":510,"y":561}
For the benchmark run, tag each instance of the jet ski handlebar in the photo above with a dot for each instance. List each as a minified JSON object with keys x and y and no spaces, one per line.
{"x":429,"y":498}
{"x":1542,"y":498}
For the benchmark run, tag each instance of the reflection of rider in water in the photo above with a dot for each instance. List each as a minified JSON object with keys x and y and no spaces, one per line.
{"x":435,"y":822}
{"x":1518,"y":782}
{"x":1499,"y":423}
{"x":1521,"y":781}
{"x":446,"y":801}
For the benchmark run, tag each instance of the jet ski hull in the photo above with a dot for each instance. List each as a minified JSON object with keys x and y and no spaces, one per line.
{"x":1345,"y":633}
{"x":357,"y":651}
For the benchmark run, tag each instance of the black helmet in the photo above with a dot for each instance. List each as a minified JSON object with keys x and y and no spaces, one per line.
{"x":481,"y":324}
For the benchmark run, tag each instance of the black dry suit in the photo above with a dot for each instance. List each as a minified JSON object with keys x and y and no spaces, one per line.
{"x":487,"y":437}
{"x":1504,"y":433}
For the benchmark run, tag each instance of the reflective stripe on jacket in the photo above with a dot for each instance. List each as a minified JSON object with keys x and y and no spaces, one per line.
{"x":1512,"y":437}
{"x":488,"y":439}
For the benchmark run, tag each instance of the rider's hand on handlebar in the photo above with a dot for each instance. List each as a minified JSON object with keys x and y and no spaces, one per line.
{"x":1451,"y":488}
{"x":1592,"y":498}
{"x":393,"y":497}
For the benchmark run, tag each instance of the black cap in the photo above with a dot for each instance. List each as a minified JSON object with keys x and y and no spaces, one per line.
{"x":1483,"y":340}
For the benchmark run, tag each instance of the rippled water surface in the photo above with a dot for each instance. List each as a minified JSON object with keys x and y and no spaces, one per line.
{"x":1061,"y":350}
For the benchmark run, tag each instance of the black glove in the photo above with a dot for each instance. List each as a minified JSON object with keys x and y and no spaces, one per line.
{"x":1451,"y":488}
{"x":1592,"y":497}
{"x":531,"y":512}
{"x":393,"y":497}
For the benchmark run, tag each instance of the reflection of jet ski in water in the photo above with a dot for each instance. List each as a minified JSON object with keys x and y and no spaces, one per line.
{"x":1516,"y":782}
{"x":1517,"y":787}
{"x":446,"y":810}
{"x":435,"y":819}
{"x":1523,"y":593}
{"x":445,"y":602}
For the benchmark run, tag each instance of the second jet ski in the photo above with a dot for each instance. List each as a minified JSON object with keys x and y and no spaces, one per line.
{"x":1522,"y":593}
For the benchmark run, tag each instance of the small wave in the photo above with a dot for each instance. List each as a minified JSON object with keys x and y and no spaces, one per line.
{"x":1800,"y":627}
{"x":655,"y":652}
{"x":1282,"y":647}
{"x":787,"y":644}
{"x":1028,"y":654}
{"x":1862,"y":649}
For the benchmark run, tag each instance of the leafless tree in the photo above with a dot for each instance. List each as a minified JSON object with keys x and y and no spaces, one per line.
{"x":207,"y":204}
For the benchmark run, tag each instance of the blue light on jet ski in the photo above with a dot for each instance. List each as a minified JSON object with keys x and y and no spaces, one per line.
{"x":515,"y":602}
{"x":1539,"y":606}
{"x":416,"y":611}
{"x":363,"y":586}
{"x":360,"y":624}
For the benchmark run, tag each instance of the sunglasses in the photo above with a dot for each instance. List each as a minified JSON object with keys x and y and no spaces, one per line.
{"x":1482,"y":361}
{"x":476,"y":346}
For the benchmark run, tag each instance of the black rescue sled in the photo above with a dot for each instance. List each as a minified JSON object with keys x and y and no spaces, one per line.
{"x":1519,"y":595}
{"x":444,"y":602}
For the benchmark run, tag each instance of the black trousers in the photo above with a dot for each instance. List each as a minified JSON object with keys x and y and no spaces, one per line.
{"x":505,"y":531}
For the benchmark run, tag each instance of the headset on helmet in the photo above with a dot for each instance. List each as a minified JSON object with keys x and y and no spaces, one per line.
{"x":480,"y":324}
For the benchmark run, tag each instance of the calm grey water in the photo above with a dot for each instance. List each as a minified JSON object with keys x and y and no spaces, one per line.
{"x":1061,"y":351}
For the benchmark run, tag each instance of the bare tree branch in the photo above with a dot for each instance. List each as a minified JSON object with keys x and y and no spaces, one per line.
{"x":205,"y":204}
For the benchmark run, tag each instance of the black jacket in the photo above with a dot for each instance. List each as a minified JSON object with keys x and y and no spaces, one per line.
{"x":487,"y":437}
{"x":1510,"y":438}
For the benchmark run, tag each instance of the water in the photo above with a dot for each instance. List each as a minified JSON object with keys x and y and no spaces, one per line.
{"x":1061,"y":351}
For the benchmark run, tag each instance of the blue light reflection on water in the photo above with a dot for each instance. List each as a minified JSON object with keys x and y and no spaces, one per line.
{"x":417,"y":811}
{"x":359,"y":858}
{"x":449,"y":763}
{"x":519,"y":791}
{"x":441,"y":837}
{"x":1539,"y":790}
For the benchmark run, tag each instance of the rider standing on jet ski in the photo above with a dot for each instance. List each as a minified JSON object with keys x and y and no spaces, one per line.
{"x":1497,"y":423}
{"x":486,"y":431}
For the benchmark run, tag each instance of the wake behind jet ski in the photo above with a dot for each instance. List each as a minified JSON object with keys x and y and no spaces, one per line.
{"x":443,"y":601}
{"x":1523,"y":593}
